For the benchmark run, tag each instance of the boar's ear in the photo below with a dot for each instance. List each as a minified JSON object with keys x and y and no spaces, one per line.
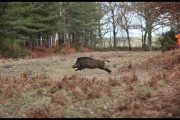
{"x":78,"y":59}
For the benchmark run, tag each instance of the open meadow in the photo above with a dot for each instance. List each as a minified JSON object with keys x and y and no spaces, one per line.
{"x":142,"y":84}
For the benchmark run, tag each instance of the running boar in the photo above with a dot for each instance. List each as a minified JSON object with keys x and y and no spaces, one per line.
{"x":87,"y":62}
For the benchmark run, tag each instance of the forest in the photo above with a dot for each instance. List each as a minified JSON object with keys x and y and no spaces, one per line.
{"x":34,"y":24}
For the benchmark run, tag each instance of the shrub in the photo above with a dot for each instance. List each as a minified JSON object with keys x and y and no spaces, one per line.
{"x":25,"y":52}
{"x":168,"y":37}
{"x":77,"y":46}
{"x":10,"y":49}
{"x":58,"y":49}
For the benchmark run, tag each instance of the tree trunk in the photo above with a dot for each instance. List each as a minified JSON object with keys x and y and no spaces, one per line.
{"x":114,"y":28}
{"x":99,"y":30}
{"x":114,"y":36}
{"x":149,"y":31}
{"x":142,"y":37}
{"x":64,"y":29}
{"x":59,"y":38}
{"x":127,"y":32}
{"x":47,"y":41}
{"x":51,"y":41}
{"x":40,"y":40}
{"x":73,"y":38}
{"x":144,"y":44}
{"x":149,"y":40}
{"x":85,"y":40}
{"x":110,"y":39}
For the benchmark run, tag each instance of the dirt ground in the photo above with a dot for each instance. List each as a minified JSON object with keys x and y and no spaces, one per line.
{"x":142,"y":84}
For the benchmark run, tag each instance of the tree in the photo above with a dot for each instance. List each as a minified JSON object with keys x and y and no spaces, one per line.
{"x":141,"y":26}
{"x":50,"y":17}
{"x":103,"y":10}
{"x":167,"y":38}
{"x":113,"y":19}
{"x":170,"y":11}
{"x":125,"y":15}
{"x":27,"y":22}
{"x":8,"y":41}
{"x":3,"y":8}
{"x":81,"y":25}
{"x":64,"y":33}
{"x":35,"y":19}
{"x":150,"y":12}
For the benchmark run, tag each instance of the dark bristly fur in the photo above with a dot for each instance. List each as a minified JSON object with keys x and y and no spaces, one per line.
{"x":87,"y":62}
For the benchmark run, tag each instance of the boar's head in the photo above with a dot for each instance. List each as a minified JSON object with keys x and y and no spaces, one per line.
{"x":77,"y":64}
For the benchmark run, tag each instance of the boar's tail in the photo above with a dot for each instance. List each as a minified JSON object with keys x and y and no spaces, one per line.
{"x":106,"y":60}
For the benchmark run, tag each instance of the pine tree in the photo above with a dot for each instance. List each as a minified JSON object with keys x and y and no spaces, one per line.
{"x":84,"y":21}
{"x":26,"y":22}
{"x":8,"y":43}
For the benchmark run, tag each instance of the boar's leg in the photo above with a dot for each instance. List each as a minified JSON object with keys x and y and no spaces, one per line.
{"x":79,"y":69}
{"x":106,"y":69}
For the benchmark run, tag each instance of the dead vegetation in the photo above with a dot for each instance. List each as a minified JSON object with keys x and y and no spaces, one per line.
{"x":128,"y":95}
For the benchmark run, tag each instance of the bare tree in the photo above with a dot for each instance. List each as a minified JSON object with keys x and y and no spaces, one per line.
{"x":125,"y":15}
{"x":151,"y":14}
{"x":112,"y":18}
{"x":170,"y":11}
{"x":142,"y":28}
{"x":102,"y":22}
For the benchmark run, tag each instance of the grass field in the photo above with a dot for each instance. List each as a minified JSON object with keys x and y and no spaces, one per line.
{"x":142,"y":84}
{"x":123,"y":42}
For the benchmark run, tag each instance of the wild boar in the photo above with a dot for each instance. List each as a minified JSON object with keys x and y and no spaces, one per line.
{"x":87,"y":62}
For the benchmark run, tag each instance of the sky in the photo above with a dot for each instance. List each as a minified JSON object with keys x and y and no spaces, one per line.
{"x":137,"y":32}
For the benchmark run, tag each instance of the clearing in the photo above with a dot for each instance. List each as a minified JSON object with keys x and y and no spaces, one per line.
{"x":142,"y":84}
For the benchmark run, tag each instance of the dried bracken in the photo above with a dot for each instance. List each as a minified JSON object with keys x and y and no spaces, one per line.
{"x":130,"y":91}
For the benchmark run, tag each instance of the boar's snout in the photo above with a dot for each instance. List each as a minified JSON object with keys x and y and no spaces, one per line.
{"x":75,"y":66}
